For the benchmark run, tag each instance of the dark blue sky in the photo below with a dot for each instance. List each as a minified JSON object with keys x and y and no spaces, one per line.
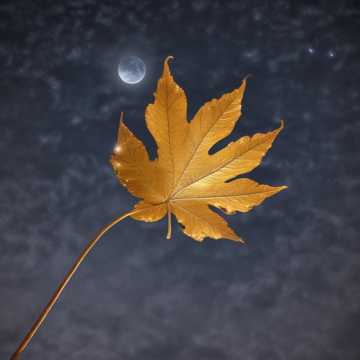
{"x":291,"y":293}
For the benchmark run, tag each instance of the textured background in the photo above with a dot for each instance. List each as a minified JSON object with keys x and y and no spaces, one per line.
{"x":292,"y":293}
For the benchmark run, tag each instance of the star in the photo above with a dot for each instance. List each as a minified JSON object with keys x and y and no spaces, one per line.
{"x":331,"y":54}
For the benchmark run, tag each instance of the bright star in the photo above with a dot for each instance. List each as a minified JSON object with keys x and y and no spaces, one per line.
{"x":331,"y":53}
{"x":311,"y":50}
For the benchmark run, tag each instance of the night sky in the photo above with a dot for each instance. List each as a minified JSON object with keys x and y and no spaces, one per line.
{"x":291,"y":293}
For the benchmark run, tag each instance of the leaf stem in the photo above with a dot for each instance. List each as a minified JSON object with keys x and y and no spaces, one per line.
{"x":168,"y":236}
{"x":63,"y":284}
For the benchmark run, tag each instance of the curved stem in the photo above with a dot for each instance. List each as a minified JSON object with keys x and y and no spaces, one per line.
{"x":63,"y":284}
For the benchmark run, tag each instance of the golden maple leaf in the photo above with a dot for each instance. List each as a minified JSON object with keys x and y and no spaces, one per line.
{"x":185,"y":179}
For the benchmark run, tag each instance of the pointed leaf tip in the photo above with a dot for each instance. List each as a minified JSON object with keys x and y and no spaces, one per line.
{"x":121,"y":124}
{"x":166,"y":65}
{"x":247,"y":77}
{"x":168,"y":58}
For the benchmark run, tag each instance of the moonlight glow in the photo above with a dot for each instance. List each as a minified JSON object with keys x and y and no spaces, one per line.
{"x":131,"y":69}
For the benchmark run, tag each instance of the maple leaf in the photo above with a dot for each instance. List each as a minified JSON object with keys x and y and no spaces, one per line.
{"x":185,"y":179}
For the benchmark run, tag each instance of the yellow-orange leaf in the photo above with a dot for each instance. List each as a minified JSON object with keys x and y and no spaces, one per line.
{"x":185,"y":179}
